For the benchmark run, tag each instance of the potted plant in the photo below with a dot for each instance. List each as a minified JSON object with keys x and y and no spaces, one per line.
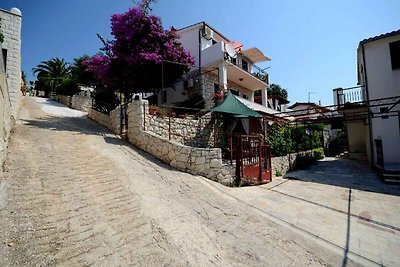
{"x":152,"y":110}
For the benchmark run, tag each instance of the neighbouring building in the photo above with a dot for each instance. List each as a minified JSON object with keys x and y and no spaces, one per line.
{"x":220,"y":65}
{"x":5,"y":112}
{"x":11,"y":53}
{"x":373,"y":108}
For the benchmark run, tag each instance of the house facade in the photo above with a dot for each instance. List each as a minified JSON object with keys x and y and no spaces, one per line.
{"x":220,"y":65}
{"x":10,"y":75}
{"x":11,"y":53}
{"x":378,"y":97}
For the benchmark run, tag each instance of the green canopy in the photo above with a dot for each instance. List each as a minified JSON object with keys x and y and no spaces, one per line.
{"x":233,"y":106}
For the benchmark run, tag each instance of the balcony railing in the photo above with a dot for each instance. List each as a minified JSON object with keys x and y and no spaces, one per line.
{"x":251,"y":68}
{"x":352,"y":95}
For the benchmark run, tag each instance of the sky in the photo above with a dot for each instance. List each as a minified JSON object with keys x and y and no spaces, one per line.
{"x":312,"y":43}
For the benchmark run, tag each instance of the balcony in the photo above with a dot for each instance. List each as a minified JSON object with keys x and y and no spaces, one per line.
{"x":213,"y":55}
{"x":349,"y":97}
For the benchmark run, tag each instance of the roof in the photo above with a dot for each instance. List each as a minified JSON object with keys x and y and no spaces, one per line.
{"x":311,"y":105}
{"x":203,"y":23}
{"x":232,"y":105}
{"x":378,"y":37}
{"x":257,"y":107}
{"x":255,"y":55}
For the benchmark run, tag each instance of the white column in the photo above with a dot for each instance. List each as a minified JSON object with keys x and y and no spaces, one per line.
{"x":264,"y":97}
{"x":223,"y":75}
{"x":251,"y":96}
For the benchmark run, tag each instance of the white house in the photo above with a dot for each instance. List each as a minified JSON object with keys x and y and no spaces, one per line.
{"x":378,"y":97}
{"x":220,"y":64}
{"x":11,"y":23}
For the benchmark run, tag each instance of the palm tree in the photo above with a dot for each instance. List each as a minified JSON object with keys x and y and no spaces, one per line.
{"x":80,"y":74}
{"x":51,"y":72}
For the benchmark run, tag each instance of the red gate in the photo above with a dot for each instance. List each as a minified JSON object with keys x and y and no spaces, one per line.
{"x":253,"y":160}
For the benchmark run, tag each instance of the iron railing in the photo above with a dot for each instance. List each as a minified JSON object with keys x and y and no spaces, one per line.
{"x":343,"y":96}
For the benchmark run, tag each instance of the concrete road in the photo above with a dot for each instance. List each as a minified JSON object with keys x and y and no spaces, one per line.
{"x":76,"y":195}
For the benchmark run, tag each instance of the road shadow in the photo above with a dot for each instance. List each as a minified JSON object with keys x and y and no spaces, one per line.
{"x":344,"y":173}
{"x":84,"y":125}
{"x":80,"y":125}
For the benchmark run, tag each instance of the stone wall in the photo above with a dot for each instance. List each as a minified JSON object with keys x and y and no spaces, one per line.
{"x":64,"y":99}
{"x":83,"y":103}
{"x":5,"y":114}
{"x":283,"y":164}
{"x":192,"y":132}
{"x":11,"y":28}
{"x":199,"y":161}
{"x":208,"y":89}
{"x":112,"y":121}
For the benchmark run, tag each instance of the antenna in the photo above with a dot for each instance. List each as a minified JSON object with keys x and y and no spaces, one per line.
{"x":309,"y":96}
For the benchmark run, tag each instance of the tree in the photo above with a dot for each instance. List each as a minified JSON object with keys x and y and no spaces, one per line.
{"x":143,"y":56}
{"x":50,"y":73}
{"x":80,"y":74}
{"x":276,"y":89}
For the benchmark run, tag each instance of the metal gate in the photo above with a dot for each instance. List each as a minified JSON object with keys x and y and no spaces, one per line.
{"x":253,"y":160}
{"x":124,"y":120}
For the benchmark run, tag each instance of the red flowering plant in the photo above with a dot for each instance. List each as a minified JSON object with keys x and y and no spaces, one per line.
{"x":143,"y":57}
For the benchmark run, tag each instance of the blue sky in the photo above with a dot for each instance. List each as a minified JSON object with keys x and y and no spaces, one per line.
{"x":312,"y":43}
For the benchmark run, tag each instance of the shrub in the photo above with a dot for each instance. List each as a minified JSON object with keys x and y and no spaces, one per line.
{"x":279,"y":140}
{"x":318,"y":153}
{"x":278,"y":174}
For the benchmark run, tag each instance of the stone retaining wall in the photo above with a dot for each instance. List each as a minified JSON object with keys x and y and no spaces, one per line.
{"x":190,"y":132}
{"x":64,"y":99}
{"x":112,"y":121}
{"x":198,"y":161}
{"x":283,"y":164}
{"x":82,"y":103}
{"x":5,"y":114}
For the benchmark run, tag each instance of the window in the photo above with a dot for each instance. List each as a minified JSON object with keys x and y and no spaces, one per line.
{"x":245,"y":65}
{"x":234,"y":92}
{"x":4,"y":51}
{"x":395,"y":54}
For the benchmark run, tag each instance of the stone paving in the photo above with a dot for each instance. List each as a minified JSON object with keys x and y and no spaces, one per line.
{"x":73,"y":194}
{"x":340,"y":203}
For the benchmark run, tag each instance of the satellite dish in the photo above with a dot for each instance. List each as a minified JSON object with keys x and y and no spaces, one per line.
{"x":230,"y":50}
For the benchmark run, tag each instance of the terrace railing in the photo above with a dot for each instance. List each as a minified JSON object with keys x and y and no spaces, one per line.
{"x":344,"y":96}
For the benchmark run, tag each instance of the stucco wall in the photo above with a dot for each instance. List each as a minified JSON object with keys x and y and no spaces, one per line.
{"x":382,"y":82}
{"x":199,"y":161}
{"x":11,"y":28}
{"x":112,"y":121}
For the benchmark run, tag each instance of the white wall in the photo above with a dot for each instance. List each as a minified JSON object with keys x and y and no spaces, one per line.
{"x":383,"y":82}
{"x":11,"y":28}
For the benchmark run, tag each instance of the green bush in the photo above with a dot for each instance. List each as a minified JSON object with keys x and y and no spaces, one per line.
{"x":318,"y":153}
{"x":67,"y":87}
{"x":279,"y":140}
{"x":278,"y":174}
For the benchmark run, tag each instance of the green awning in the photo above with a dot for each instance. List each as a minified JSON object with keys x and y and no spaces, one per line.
{"x":233,"y":106}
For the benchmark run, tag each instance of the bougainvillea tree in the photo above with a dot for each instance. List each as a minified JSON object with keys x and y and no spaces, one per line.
{"x":143,"y":57}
